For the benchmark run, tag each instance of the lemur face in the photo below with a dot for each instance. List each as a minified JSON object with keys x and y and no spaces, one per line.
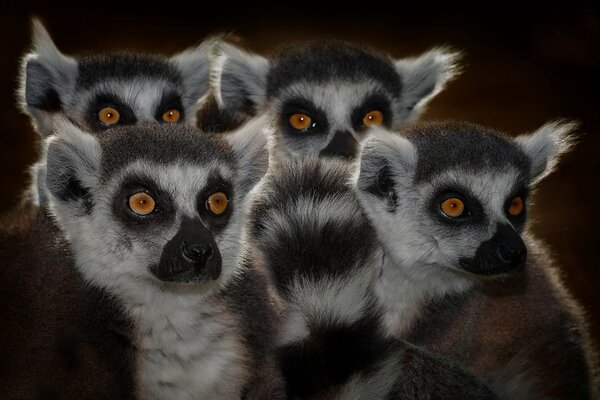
{"x":98,"y":92}
{"x":455,"y":195}
{"x":153,"y":204}
{"x":322,"y":97}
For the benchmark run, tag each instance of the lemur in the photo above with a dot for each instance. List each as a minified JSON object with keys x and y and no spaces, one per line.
{"x":460,"y":274}
{"x":322,"y":96}
{"x":99,"y":91}
{"x":153,"y":215}
{"x":308,"y":230}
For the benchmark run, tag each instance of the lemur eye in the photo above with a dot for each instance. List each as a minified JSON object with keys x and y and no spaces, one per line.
{"x":171,"y":116}
{"x":300,"y":121}
{"x":142,"y":203}
{"x":373,"y":118}
{"x":109,"y":116}
{"x":453,"y":207}
{"x":217,"y":203}
{"x":516,"y":206}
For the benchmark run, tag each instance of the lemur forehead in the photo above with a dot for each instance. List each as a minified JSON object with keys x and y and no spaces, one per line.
{"x":97,"y":68}
{"x":162,"y":144}
{"x":320,"y":62}
{"x":464,"y":146}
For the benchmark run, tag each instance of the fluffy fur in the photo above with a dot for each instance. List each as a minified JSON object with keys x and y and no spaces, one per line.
{"x":190,"y":337}
{"x":334,"y":83}
{"x":519,"y":330}
{"x":319,"y":249}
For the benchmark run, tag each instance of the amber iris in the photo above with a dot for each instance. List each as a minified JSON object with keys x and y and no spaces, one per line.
{"x":373,"y":118}
{"x":217,"y":203}
{"x":300,"y":121}
{"x":142,"y":203}
{"x":516,"y":206}
{"x":453,"y":207}
{"x":109,"y":116}
{"x":171,"y":116}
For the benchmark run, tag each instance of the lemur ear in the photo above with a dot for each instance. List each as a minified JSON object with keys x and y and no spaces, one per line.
{"x":423,"y":77}
{"x":545,"y":146}
{"x":238,"y":80}
{"x":194,"y":66}
{"x":46,"y":75}
{"x":385,"y":155}
{"x":250,"y":144}
{"x":72,"y":164}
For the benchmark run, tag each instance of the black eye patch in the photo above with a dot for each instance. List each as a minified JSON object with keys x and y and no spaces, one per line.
{"x":169,"y":101}
{"x":371,"y":103}
{"x":101,"y":101}
{"x":215,"y":184}
{"x":473,"y":210}
{"x":319,"y":123}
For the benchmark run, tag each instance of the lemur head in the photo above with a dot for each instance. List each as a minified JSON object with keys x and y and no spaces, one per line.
{"x":324,"y":95}
{"x":153,"y":204}
{"x":454,"y":194}
{"x":100,"y":91}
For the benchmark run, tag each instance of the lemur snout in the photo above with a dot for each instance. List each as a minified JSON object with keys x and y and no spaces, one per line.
{"x":191,"y":256}
{"x":504,"y":252}
{"x":343,"y":144}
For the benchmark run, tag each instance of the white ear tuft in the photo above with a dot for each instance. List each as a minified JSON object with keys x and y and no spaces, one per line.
{"x":545,"y":146}
{"x":194,"y":66}
{"x":423,"y":77}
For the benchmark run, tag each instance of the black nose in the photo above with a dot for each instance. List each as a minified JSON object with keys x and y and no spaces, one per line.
{"x":342,"y":144}
{"x":511,"y":255}
{"x":196,"y":252}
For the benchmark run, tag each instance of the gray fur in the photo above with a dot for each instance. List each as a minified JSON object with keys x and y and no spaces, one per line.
{"x":337,"y":79}
{"x":522,"y":331}
{"x":192,"y":337}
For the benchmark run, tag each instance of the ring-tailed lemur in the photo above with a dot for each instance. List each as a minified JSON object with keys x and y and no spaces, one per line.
{"x":101,"y":91}
{"x":307,"y":228}
{"x":154,"y":216}
{"x":322,"y":95}
{"x":449,"y":204}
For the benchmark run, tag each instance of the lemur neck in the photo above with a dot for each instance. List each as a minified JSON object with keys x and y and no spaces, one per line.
{"x":404,"y":291}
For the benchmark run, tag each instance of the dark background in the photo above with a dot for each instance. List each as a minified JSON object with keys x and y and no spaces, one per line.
{"x":522,"y":68}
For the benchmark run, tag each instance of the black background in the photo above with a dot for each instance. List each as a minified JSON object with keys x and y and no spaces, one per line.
{"x":522,"y":68}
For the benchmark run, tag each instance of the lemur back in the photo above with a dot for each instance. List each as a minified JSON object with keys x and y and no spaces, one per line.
{"x":61,"y":337}
{"x":322,"y":96}
{"x":461,"y":276}
{"x":99,"y":91}
{"x":309,"y":232}
{"x":170,"y":204}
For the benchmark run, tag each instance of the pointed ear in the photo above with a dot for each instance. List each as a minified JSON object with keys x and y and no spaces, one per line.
{"x":545,"y":146}
{"x":46,"y":75}
{"x":251,"y":148}
{"x":72,"y":167}
{"x":194,"y":66}
{"x":386,"y":158}
{"x":423,"y":77}
{"x":239,"y":80}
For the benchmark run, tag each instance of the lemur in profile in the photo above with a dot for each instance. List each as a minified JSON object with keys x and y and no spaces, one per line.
{"x":460,"y":275}
{"x":322,"y":96}
{"x":153,"y":215}
{"x":100,"y":91}
{"x":308,"y":230}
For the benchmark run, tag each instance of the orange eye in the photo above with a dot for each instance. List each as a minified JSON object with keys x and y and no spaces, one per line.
{"x":516,"y":206}
{"x":142,"y":203}
{"x":109,"y":116}
{"x":217,"y":203}
{"x":453,"y":207}
{"x":373,"y":118}
{"x":300,"y":121}
{"x":171,"y":116}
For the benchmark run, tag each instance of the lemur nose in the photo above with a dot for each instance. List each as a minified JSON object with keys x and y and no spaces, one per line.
{"x":511,"y":255}
{"x":342,"y":144}
{"x":196,"y":252}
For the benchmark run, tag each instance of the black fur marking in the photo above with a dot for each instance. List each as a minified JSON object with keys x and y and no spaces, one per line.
{"x":473,"y":212}
{"x":371,"y":103}
{"x":127,"y":116}
{"x":212,"y":119}
{"x":330,"y":356}
{"x":319,"y":62}
{"x":383,"y":187}
{"x":39,"y":88}
{"x":125,"y":66}
{"x":466,"y":146}
{"x":214,"y":184}
{"x":170,"y":101}
{"x":320,"y":123}
{"x":162,"y":144}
